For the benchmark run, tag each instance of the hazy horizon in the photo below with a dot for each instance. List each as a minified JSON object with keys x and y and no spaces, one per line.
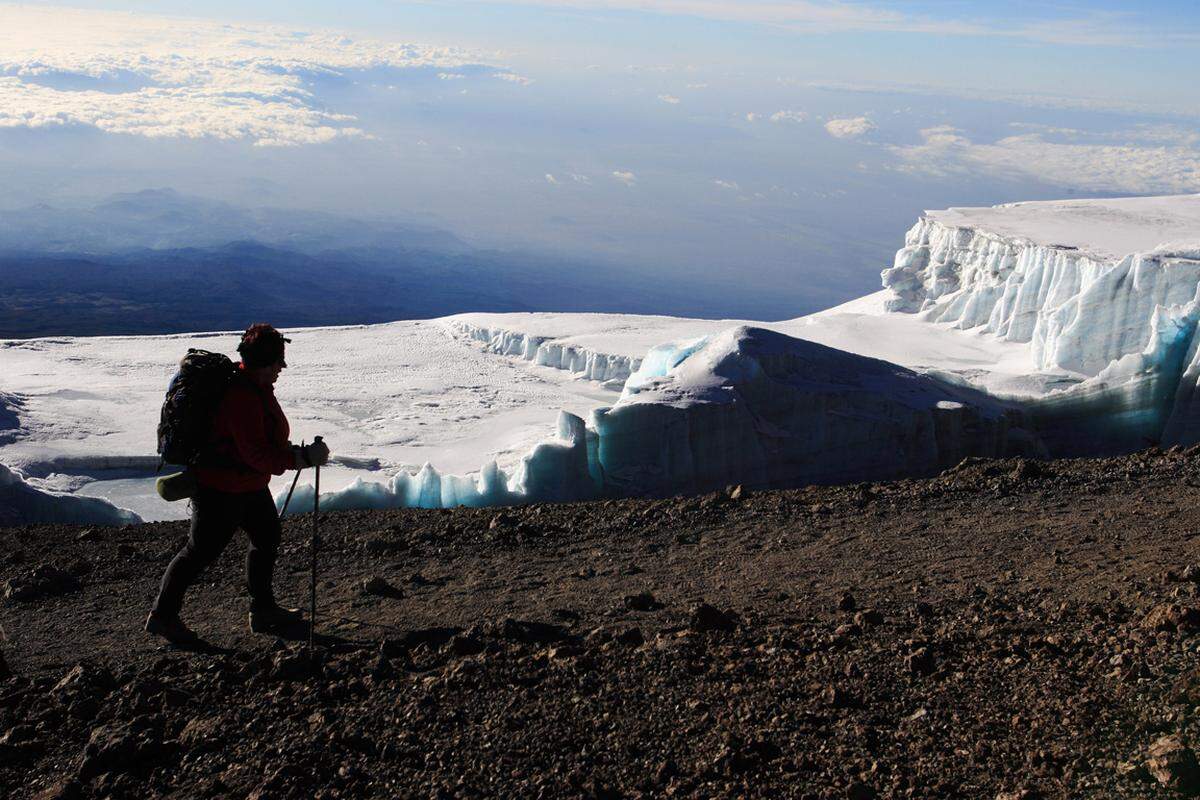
{"x":777,"y":147}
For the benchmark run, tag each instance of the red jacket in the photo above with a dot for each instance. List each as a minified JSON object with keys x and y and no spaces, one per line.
{"x":251,"y":433}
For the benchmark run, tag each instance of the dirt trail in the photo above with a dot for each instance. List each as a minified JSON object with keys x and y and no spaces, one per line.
{"x":1007,"y":629}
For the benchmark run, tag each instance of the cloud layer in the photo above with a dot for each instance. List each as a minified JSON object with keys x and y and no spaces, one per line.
{"x":1125,"y":167}
{"x":164,"y":77}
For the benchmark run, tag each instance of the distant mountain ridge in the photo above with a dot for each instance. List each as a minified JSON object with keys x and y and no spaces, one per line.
{"x":158,"y":261}
{"x":164,"y":219}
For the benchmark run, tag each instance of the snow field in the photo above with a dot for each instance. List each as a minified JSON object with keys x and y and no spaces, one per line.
{"x":387,"y":398}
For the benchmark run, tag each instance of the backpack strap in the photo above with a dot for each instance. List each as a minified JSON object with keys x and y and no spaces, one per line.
{"x":213,"y":456}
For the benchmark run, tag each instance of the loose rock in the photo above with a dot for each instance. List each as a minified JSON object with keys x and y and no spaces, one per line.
{"x":868,"y":618}
{"x":379,"y":587}
{"x":1173,"y":764}
{"x":1172,"y":617}
{"x":920,"y":662}
{"x":704,"y":617}
{"x":643,"y":601}
{"x":46,"y":580}
{"x":837,"y":697}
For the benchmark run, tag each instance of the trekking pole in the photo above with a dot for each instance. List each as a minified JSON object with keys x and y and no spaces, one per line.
{"x":316,"y":541}
{"x":288,"y":499}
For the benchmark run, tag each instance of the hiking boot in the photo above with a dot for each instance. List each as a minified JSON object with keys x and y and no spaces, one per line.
{"x":273,"y":618}
{"x":173,"y":630}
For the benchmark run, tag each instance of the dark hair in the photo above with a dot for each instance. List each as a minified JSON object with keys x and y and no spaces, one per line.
{"x":261,"y":345}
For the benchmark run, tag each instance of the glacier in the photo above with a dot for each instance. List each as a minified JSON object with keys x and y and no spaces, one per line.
{"x":22,"y":503}
{"x":1044,"y":329}
{"x":559,"y":469}
{"x":758,"y":407}
{"x":1102,"y":297}
{"x":745,"y":405}
{"x":1067,"y":280}
{"x":1079,"y":312}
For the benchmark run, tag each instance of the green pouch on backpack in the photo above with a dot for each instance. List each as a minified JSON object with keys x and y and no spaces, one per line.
{"x":176,"y":486}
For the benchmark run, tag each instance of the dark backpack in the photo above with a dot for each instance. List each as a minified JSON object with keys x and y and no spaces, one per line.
{"x":191,"y":404}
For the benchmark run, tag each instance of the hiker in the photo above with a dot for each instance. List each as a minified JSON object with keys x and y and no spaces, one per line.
{"x":247,"y":445}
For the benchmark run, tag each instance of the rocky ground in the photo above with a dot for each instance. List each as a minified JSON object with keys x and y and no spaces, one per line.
{"x":1009,"y":629}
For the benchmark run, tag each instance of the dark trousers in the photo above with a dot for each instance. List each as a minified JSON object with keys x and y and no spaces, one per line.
{"x":215,"y":518}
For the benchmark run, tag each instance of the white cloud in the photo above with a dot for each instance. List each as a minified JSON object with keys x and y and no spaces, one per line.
{"x":669,"y":99}
{"x":1157,"y":133}
{"x":451,"y":76}
{"x":584,"y":179}
{"x":1026,"y":99}
{"x":1131,"y":168}
{"x":166,"y":77}
{"x":731,"y":185}
{"x":752,"y":117}
{"x":624,"y":176}
{"x":1167,"y":134}
{"x":550,"y":179}
{"x":789,"y":116}
{"x":850,"y":128}
{"x":697,"y":86}
{"x":1054,"y":130}
{"x":512,"y":77}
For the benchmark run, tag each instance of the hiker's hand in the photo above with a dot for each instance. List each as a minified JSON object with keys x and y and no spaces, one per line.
{"x":315,"y":454}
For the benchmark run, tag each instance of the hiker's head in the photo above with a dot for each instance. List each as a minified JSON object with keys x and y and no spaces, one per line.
{"x":262,"y":352}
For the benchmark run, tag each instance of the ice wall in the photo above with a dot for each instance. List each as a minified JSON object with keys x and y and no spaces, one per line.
{"x":1124,"y":324}
{"x":754,"y":406}
{"x":1130,"y":404}
{"x":21,"y":503}
{"x":1078,"y":312}
{"x":9,"y":421}
{"x":545,"y":352}
{"x":562,"y":468}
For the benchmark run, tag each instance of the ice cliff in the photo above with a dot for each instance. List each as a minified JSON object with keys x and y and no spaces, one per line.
{"x":1118,"y":321}
{"x":1077,"y":312}
{"x":562,"y":468}
{"x":754,"y":406}
{"x":545,"y":351}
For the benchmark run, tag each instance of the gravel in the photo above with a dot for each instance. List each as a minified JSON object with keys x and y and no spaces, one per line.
{"x":1007,"y":629}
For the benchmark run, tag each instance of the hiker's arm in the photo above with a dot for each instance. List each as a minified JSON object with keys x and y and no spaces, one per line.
{"x":250,"y":440}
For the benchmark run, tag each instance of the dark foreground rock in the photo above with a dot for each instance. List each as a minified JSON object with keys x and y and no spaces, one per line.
{"x":1003,"y":630}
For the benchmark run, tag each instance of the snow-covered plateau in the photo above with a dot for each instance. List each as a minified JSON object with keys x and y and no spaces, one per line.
{"x":1043,"y":329}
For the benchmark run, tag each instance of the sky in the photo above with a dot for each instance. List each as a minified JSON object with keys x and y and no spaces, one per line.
{"x":784,"y":146}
